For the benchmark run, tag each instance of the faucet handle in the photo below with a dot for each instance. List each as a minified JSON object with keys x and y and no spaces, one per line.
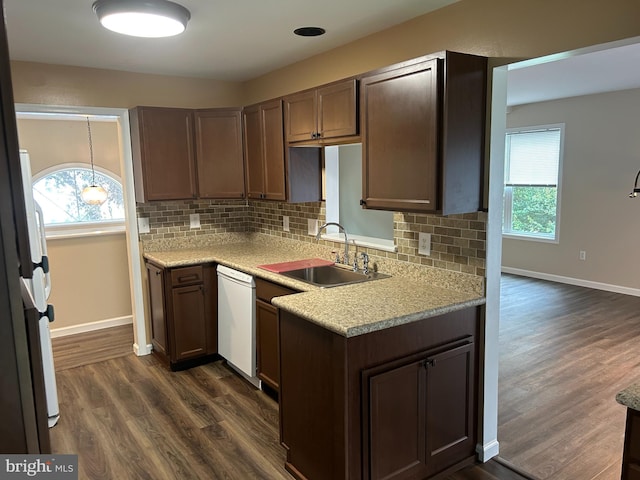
{"x":337,"y":259}
{"x":365,"y":262}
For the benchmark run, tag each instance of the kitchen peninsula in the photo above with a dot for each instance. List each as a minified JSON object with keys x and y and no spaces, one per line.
{"x":376,"y":378}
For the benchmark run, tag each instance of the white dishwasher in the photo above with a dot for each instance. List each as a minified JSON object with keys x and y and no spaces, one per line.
{"x":237,"y":321}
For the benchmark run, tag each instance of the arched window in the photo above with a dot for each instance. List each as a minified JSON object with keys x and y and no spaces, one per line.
{"x":57,"y":191}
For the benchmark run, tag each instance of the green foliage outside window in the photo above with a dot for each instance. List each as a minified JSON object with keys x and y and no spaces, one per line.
{"x":58,"y":193}
{"x":534,"y":210}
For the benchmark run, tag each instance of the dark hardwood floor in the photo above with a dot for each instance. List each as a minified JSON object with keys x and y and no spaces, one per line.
{"x":92,"y":347}
{"x":565,"y":352}
{"x":130,"y":418}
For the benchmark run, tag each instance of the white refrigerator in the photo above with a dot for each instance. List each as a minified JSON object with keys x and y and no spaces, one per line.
{"x":40,"y":286}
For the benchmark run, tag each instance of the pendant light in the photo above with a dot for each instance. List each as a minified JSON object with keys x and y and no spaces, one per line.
{"x":142,"y":18}
{"x":93,"y":194}
{"x":634,"y":192}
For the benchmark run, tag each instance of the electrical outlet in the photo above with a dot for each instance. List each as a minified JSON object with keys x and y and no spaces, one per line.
{"x":312,"y":228}
{"x":285,"y":223}
{"x":143,"y":225}
{"x":194,"y":220}
{"x":424,"y":243}
{"x":583,"y":255}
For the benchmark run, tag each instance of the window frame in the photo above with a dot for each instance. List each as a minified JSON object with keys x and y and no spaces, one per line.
{"x":508,"y":192}
{"x":81,"y":229}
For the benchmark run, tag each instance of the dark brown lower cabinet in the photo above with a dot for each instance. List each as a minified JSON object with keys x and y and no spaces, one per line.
{"x":419,"y":413}
{"x":631,"y":455}
{"x":267,"y":341}
{"x":267,"y":332}
{"x":399,"y":403}
{"x":184,"y":320}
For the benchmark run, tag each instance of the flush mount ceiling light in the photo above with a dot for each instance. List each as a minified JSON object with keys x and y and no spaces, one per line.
{"x":309,"y":31}
{"x":142,"y":18}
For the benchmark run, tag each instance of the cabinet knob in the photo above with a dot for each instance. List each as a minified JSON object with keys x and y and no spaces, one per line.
{"x":363,"y":202}
{"x":429,"y":362}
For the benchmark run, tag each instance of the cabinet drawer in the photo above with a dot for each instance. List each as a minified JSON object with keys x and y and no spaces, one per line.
{"x":186,"y":276}
{"x":266,"y":290}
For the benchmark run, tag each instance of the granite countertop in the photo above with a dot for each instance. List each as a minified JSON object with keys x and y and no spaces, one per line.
{"x":348,"y":310}
{"x":630,"y":397}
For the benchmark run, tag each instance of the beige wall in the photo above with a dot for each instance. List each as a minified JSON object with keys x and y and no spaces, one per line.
{"x":90,"y":279}
{"x":506,"y":29}
{"x":63,"y":85}
{"x":53,"y":142}
{"x":495,"y":28}
{"x":89,"y":275}
{"x":601,"y":158}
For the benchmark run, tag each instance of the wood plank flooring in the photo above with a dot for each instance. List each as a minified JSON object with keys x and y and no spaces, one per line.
{"x":565,"y":352}
{"x":91,"y":347}
{"x":130,"y":418}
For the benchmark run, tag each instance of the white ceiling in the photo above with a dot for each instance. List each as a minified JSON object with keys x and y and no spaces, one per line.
{"x":616,"y":68}
{"x":233,"y":40}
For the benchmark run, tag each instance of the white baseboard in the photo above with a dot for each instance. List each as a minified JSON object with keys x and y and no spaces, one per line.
{"x":488,"y":451}
{"x":141,"y":351}
{"x":573,"y":281}
{"x":90,"y":327}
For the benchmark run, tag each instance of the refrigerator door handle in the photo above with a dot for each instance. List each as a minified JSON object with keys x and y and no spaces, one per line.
{"x":44,"y":263}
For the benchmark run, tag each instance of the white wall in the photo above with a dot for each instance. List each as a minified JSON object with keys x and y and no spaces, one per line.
{"x":601,"y":159}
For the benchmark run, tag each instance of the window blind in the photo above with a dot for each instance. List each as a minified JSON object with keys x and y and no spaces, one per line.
{"x":532,"y":158}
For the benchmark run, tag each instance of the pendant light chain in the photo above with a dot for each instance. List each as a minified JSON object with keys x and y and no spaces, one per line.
{"x":93,"y":173}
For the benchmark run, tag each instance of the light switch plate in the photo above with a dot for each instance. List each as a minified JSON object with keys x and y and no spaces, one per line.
{"x":143,"y":225}
{"x":424,"y":243}
{"x":194,"y":220}
{"x":312,"y":226}
{"x":285,"y":223}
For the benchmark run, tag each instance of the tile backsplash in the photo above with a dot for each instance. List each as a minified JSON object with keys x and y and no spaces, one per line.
{"x":458,"y":242}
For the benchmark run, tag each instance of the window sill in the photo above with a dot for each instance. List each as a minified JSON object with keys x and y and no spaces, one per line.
{"x":362,"y":241}
{"x":61,"y":233}
{"x":531,"y":238}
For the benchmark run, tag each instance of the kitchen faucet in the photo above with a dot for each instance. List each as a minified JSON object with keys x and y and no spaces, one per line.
{"x":345,"y":260}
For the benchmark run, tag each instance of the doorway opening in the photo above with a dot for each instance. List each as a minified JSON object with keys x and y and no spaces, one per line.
{"x":91,"y":256}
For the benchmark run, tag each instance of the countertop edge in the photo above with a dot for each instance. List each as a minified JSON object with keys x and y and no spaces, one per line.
{"x":382,"y":324}
{"x":630,"y":397}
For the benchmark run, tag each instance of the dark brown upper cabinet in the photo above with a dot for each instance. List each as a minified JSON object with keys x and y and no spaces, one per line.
{"x":264,"y":151}
{"x":422,"y":129}
{"x":183,"y":154}
{"x":219,"y":155}
{"x":163,"y":150}
{"x":323,"y":114}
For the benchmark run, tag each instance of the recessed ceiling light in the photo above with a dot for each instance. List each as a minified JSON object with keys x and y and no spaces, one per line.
{"x":142,"y":18}
{"x":309,"y":31}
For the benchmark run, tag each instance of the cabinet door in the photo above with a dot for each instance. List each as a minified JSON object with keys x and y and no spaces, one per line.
{"x":337,"y":112}
{"x":163,"y":153}
{"x":211,"y":307}
{"x":300,"y":115}
{"x":157,"y":308}
{"x":273,"y":150}
{"x":397,"y":422}
{"x":450,"y":428}
{"x":267,"y":344}
{"x":219,"y":153}
{"x":254,"y":165}
{"x":399,"y":122}
{"x":189,"y":322}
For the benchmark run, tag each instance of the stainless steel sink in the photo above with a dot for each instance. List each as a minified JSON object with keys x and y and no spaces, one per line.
{"x":332,"y":276}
